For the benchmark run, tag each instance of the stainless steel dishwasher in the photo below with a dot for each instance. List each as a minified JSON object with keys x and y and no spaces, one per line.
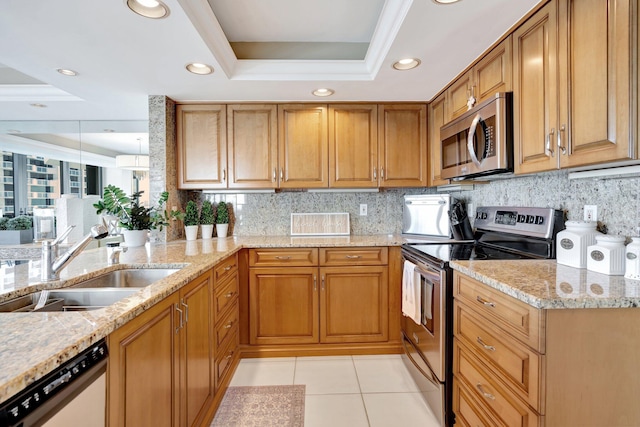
{"x":72,"y":394}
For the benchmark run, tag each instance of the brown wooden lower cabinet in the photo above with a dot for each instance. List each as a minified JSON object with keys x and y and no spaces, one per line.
{"x":516,"y":365}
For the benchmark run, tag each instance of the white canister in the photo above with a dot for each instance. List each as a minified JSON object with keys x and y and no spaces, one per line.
{"x":607,"y":255}
{"x":572,"y":243}
{"x":632,"y":259}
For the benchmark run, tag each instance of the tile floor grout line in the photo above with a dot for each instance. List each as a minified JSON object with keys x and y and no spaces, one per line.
{"x":364,"y":406}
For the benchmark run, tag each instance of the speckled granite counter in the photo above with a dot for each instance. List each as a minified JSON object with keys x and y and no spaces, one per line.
{"x":33,"y":344}
{"x":546,"y":284}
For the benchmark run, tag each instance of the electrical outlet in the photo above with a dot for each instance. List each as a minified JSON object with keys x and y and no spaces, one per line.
{"x":363,"y":209}
{"x":590,"y":213}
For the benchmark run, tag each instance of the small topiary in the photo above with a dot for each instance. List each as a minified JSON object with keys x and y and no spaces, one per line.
{"x":206,"y":213}
{"x":22,"y":222}
{"x":191,"y":214}
{"x":222,"y":213}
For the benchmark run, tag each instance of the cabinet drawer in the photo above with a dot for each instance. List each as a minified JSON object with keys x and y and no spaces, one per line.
{"x":226,"y":295}
{"x":469,"y":413}
{"x":304,"y":257}
{"x":515,"y":363}
{"x":521,"y":320}
{"x":354,"y":256}
{"x":226,"y":268}
{"x":225,"y":358}
{"x":227,"y":327}
{"x":500,"y":403}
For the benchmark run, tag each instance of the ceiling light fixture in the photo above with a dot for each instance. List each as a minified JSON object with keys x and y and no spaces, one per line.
{"x":406,"y":64}
{"x":199,"y":68}
{"x":323,"y":92}
{"x":445,"y":1}
{"x":153,"y":9}
{"x":133,"y":162}
{"x":67,"y":72}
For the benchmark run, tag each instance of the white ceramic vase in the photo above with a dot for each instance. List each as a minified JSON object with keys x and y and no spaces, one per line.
{"x":221,"y":230}
{"x":191,"y":232}
{"x":207,"y":231}
{"x":133,"y":238}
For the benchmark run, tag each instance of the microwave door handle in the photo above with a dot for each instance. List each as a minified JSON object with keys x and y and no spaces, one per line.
{"x":472,"y":132}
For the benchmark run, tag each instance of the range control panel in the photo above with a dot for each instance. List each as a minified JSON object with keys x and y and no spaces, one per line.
{"x":47,"y":389}
{"x":534,"y":222}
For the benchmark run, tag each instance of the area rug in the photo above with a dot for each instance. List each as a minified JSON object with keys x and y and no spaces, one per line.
{"x":279,"y":405}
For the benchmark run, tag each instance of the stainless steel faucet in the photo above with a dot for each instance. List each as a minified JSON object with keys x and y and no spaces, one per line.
{"x":113,"y":253}
{"x":52,"y":263}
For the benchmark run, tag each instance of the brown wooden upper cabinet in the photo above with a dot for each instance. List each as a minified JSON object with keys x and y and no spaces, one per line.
{"x":489,"y":75}
{"x":437,"y":114}
{"x":201,"y":146}
{"x":587,"y":47}
{"x":402,"y":130}
{"x":304,"y":146}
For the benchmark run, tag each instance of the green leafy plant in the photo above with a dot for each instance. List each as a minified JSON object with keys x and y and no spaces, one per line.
{"x":3,"y":222}
{"x":206,"y":213}
{"x":191,"y":214}
{"x":22,"y":222}
{"x":222,"y":213}
{"x":132,"y":215}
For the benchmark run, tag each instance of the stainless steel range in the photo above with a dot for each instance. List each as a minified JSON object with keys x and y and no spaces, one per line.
{"x":427,"y":323}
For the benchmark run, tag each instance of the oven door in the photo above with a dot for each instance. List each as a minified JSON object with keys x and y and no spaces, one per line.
{"x":430,"y":336}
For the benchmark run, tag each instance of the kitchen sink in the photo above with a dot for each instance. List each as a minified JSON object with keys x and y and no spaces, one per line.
{"x":68,"y":299}
{"x":127,"y":278}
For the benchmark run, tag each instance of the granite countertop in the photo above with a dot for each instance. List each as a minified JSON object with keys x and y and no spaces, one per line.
{"x":33,"y":344}
{"x":548,"y":285}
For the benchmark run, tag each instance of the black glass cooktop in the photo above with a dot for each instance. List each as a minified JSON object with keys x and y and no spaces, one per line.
{"x":462,"y":252}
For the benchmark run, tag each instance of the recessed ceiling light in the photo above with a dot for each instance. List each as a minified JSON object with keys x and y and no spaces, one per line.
{"x":199,"y":68}
{"x":67,"y":72}
{"x":153,"y":9}
{"x":323,"y":92}
{"x":37,"y":105}
{"x":445,"y":1}
{"x":406,"y":64}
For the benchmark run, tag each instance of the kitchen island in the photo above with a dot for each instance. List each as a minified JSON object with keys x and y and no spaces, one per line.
{"x":33,"y":344}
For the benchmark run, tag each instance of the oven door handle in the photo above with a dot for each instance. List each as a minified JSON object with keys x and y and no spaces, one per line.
{"x":431,"y":377}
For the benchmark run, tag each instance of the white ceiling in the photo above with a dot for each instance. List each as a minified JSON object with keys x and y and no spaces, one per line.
{"x":122,"y":58}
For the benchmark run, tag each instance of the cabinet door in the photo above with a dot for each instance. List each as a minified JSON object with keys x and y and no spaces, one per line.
{"x":535,"y":101}
{"x":202,"y":146}
{"x":143,"y":369}
{"x":283,"y":305}
{"x":253,"y":146}
{"x":458,"y":96}
{"x":196,"y":338}
{"x":436,"y":121}
{"x":353,"y":146}
{"x":354,"y":304}
{"x":303,"y":146}
{"x":595,"y":42}
{"x":403,"y":145}
{"x":493,"y":72}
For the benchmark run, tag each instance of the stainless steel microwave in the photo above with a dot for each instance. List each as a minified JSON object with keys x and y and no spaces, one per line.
{"x":480,"y":142}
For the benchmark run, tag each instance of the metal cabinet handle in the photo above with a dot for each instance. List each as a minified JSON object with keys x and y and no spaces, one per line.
{"x":486,"y":347}
{"x":322,"y":286}
{"x":281,"y":174}
{"x":315,"y":283}
{"x":375,"y":174}
{"x":560,"y":147}
{"x":274,"y":174}
{"x":229,"y":295}
{"x":224,"y":174}
{"x":186,"y":312}
{"x":381,"y":173}
{"x":228,"y":325}
{"x":353,"y":256}
{"x":230,"y":355}
{"x":282,"y":257}
{"x":228,"y":267}
{"x":484,"y":393}
{"x":485,"y":302}
{"x":180,"y":312}
{"x":547,"y":147}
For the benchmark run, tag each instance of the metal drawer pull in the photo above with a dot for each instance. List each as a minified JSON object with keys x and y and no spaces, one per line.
{"x":282,"y":257}
{"x":484,"y":393}
{"x":181,"y":323}
{"x":228,"y":295}
{"x":230,"y":355}
{"x":228,"y":267}
{"x":486,"y":347}
{"x":485,"y":302}
{"x":228,"y":325}
{"x":353,"y":256}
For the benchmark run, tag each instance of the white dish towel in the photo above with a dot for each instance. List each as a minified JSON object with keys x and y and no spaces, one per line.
{"x":411,"y":295}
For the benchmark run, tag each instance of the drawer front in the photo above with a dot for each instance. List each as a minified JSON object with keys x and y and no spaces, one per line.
{"x":226,"y":268}
{"x":226,"y":295}
{"x":354,"y":256}
{"x":305,"y":257}
{"x":516,"y":363}
{"x":521,"y":320}
{"x":225,"y":358}
{"x":469,"y":412}
{"x":227,"y":327}
{"x":502,"y":405}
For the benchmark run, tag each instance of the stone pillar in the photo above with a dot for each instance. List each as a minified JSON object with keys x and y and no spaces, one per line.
{"x":162,"y":153}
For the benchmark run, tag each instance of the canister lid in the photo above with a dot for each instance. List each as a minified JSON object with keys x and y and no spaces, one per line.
{"x":581,"y":224}
{"x":605,"y":238}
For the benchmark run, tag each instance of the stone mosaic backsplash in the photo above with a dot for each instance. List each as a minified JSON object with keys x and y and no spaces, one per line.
{"x":618,"y":201}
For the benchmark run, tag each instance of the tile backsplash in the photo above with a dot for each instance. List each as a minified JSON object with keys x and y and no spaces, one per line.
{"x":618,"y":202}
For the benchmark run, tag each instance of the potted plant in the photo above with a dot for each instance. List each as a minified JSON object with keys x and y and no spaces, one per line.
{"x":222,"y":219}
{"x":190,"y":219}
{"x":135,"y":220}
{"x":16,"y":231}
{"x":207,"y":218}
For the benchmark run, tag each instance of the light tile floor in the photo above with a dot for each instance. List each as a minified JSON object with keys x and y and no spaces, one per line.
{"x":350,"y":391}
